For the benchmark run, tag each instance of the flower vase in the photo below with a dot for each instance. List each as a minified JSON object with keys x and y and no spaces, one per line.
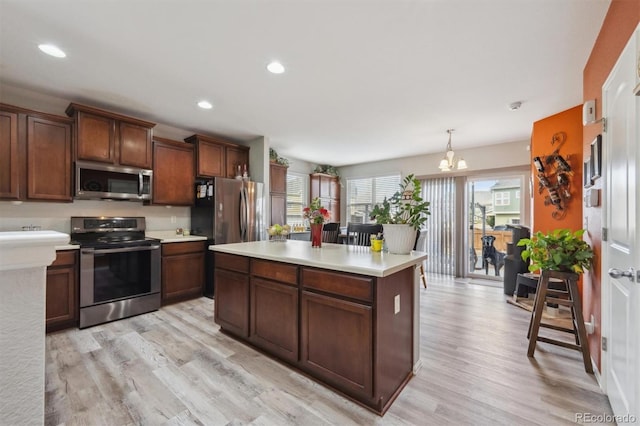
{"x":316,"y":235}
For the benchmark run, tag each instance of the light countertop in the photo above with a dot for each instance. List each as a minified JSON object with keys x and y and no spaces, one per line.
{"x":24,"y":250}
{"x":68,"y":247}
{"x":172,"y":237}
{"x":337,"y":257}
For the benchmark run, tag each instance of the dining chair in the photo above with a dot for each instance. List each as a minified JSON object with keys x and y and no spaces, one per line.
{"x":421,"y":245}
{"x":359,"y":234}
{"x":330,"y":232}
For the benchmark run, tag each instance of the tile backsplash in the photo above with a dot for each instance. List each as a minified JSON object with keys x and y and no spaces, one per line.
{"x":56,"y":216}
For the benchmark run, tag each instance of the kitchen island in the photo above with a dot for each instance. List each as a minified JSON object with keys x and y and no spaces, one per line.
{"x":343,"y":315}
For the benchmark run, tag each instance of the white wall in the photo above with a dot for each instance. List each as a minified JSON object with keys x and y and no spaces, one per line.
{"x":300,"y":166}
{"x":479,"y":160}
{"x":483,"y":158}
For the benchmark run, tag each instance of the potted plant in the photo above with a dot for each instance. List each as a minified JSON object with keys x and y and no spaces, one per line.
{"x":402,"y":216}
{"x":559,"y":250}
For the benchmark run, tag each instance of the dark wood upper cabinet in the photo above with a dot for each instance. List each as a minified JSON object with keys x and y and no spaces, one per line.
{"x":111,"y":138}
{"x":48,"y":159}
{"x":173,"y":172}
{"x":9,"y":175}
{"x":237,"y":157}
{"x":278,"y":193}
{"x":96,"y":137}
{"x":327,"y":189}
{"x":278,"y":178}
{"x":217,"y":157}
{"x":135,"y":145}
{"x":35,"y":155}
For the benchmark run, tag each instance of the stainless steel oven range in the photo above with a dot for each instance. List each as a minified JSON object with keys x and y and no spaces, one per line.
{"x":119,"y":268}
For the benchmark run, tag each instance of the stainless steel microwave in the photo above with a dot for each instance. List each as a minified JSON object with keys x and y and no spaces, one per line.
{"x":106,"y":181}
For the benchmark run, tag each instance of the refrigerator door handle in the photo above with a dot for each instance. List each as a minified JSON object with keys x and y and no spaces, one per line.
{"x":243,"y":214}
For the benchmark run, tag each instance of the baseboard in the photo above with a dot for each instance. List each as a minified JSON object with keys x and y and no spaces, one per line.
{"x":417,"y":366}
{"x":596,"y":373}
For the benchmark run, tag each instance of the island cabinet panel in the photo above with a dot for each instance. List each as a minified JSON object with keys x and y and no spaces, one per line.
{"x":232,"y":295}
{"x":394,"y":334}
{"x":274,"y":318}
{"x":232,"y":262}
{"x":283,"y":272}
{"x":337,"y":343}
{"x":62,"y":292}
{"x":352,"y":332}
{"x":182,"y":271}
{"x":349,"y":286}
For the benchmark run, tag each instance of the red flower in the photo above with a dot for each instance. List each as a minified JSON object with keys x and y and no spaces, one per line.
{"x":315,"y":213}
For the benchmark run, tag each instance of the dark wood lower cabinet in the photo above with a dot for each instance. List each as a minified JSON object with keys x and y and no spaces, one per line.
{"x":182,"y":271}
{"x":351,"y":332}
{"x":232,"y":301}
{"x":336,"y":340}
{"x":274,"y":318}
{"x":62,"y":292}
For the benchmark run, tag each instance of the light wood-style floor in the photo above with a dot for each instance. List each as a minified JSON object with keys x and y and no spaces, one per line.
{"x":174,"y":367}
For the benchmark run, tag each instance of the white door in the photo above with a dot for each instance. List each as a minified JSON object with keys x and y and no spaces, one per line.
{"x":621,"y":290}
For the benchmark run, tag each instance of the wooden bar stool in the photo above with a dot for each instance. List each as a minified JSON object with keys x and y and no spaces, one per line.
{"x":569,"y":297}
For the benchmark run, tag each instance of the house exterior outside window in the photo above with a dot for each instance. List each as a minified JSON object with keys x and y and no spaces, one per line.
{"x":501,"y":198}
{"x":506,"y":201}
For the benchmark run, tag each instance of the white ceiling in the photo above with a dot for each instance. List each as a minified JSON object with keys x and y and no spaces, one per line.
{"x":365,"y":80}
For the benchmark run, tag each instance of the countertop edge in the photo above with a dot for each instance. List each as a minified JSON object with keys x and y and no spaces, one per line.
{"x":410,"y":259}
{"x":172,"y":237}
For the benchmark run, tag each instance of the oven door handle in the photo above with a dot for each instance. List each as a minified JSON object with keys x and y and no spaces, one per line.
{"x":120,"y":250}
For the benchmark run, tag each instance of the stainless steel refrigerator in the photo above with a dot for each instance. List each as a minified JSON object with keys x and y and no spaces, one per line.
{"x":231,"y":211}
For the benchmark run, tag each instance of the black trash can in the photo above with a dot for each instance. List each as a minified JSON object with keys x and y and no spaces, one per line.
{"x":513,"y":263}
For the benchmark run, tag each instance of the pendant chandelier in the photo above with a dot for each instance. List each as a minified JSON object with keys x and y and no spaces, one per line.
{"x":449,"y":162}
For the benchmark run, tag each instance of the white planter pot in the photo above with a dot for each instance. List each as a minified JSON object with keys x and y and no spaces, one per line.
{"x":399,"y":239}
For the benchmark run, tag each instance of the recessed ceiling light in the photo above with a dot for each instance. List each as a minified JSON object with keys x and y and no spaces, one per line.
{"x":52,"y":50}
{"x":275,"y":67}
{"x":205,"y":105}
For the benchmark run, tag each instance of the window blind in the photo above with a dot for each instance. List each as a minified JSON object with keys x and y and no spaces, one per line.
{"x":297,"y":189}
{"x":441,"y":224}
{"x":364,"y":193}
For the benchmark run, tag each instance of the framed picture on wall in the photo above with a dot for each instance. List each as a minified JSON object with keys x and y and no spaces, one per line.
{"x":596,"y":158}
{"x":586,"y":174}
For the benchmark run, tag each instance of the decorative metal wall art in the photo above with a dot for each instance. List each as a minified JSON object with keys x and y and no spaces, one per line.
{"x":554,"y":176}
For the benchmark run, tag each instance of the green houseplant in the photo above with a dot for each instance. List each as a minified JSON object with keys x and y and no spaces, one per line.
{"x":559,"y":250}
{"x":402,"y":215}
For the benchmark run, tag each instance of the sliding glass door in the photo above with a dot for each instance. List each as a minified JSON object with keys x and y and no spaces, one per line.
{"x":493,"y":203}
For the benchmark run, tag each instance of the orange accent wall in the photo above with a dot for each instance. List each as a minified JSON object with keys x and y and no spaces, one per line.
{"x":569,"y":122}
{"x":621,"y":20}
